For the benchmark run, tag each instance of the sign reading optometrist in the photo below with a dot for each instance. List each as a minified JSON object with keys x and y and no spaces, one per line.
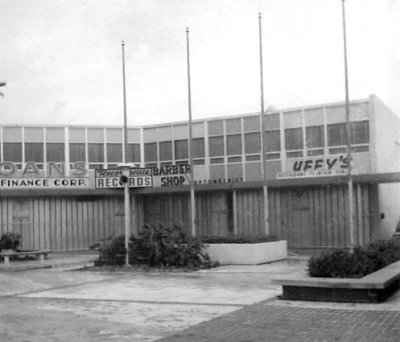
{"x":111,"y":178}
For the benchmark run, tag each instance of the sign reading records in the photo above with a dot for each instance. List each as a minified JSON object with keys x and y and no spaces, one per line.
{"x":111,"y":178}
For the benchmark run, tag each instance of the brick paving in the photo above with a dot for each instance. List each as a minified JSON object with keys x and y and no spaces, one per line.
{"x":265,"y":321}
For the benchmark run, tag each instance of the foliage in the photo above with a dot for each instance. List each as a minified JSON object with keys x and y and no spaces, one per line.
{"x":10,"y":241}
{"x":112,"y":250}
{"x":238,"y":239}
{"x":156,"y":247}
{"x":342,"y":263}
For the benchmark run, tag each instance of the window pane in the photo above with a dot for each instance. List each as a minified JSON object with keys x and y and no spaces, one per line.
{"x":77,"y":152}
{"x":216,"y":146}
{"x":34,"y":152}
{"x":360,"y":132}
{"x":166,"y":150}
{"x":114,"y":153}
{"x":315,"y":136}
{"x":181,"y":149}
{"x":150,"y":152}
{"x":233,"y":126}
{"x":273,"y":141}
{"x":251,"y":124}
{"x":198,"y":148}
{"x":133,"y":153}
{"x":337,"y":134}
{"x":271,"y":121}
{"x":294,"y":138}
{"x":215,"y":127}
{"x":252,"y":143}
{"x":96,"y":153}
{"x":55,"y":152}
{"x":234,"y":144}
{"x":12,"y":152}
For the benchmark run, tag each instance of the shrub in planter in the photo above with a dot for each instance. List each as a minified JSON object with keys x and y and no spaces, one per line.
{"x":167,"y":247}
{"x":238,"y":239}
{"x":155,"y":246}
{"x":10,"y":241}
{"x":341,"y":263}
{"x":338,"y":263}
{"x":112,"y":251}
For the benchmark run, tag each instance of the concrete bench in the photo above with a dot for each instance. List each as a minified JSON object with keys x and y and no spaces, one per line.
{"x":372,"y":288}
{"x":39,"y":254}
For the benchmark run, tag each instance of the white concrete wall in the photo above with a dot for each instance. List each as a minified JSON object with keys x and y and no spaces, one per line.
{"x":247,"y":254}
{"x":385,"y":133}
{"x":389,"y":205}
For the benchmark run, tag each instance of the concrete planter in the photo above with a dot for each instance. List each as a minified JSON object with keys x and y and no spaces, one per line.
{"x":372,"y":288}
{"x":247,"y":253}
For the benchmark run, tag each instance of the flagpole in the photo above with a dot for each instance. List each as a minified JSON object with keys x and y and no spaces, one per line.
{"x":192,"y":194}
{"x":124,"y":160}
{"x":348,"y":136}
{"x":2,"y":84}
{"x":262,"y":135}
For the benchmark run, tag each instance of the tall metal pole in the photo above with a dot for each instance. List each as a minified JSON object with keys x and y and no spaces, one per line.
{"x":262,"y":137}
{"x":348,"y":136}
{"x":2,"y":84}
{"x":192,"y":194}
{"x":124,"y":159}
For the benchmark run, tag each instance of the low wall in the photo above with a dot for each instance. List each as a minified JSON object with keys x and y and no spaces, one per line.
{"x":247,"y":253}
{"x":374,"y":287}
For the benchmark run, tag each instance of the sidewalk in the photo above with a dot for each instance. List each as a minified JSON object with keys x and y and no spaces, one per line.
{"x":281,"y":321}
{"x":56,"y":260}
{"x":229,"y":303}
{"x":276,"y":322}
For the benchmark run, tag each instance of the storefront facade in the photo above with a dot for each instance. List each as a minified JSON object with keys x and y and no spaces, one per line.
{"x":59,"y":187}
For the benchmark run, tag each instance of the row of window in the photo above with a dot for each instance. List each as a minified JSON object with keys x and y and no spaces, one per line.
{"x":314,"y":141}
{"x":55,"y":152}
{"x":178,"y":150}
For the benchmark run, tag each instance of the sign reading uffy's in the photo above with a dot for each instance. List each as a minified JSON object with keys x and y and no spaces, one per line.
{"x":316,"y":167}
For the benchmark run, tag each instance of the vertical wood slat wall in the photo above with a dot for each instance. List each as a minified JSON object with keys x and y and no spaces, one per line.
{"x":166,"y":209}
{"x":211,"y":211}
{"x":61,"y":223}
{"x":308,"y":217}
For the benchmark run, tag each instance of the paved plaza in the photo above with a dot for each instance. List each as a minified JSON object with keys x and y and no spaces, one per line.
{"x":230,"y":303}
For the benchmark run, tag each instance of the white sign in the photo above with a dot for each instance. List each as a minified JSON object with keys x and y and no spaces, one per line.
{"x":44,"y":183}
{"x":110,"y":178}
{"x":318,"y":173}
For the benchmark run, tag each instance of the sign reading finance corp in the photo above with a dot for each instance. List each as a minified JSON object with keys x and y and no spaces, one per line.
{"x":110,"y":178}
{"x":44,"y":183}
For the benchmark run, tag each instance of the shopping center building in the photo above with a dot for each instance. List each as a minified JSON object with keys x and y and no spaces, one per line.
{"x":59,"y":185}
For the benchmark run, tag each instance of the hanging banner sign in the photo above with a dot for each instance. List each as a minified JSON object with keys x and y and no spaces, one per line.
{"x":111,"y":178}
{"x":44,"y":183}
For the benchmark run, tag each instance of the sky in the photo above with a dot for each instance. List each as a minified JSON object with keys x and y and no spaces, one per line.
{"x":62,"y":60}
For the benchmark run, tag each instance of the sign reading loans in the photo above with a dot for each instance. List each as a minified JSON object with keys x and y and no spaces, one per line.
{"x":110,"y":178}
